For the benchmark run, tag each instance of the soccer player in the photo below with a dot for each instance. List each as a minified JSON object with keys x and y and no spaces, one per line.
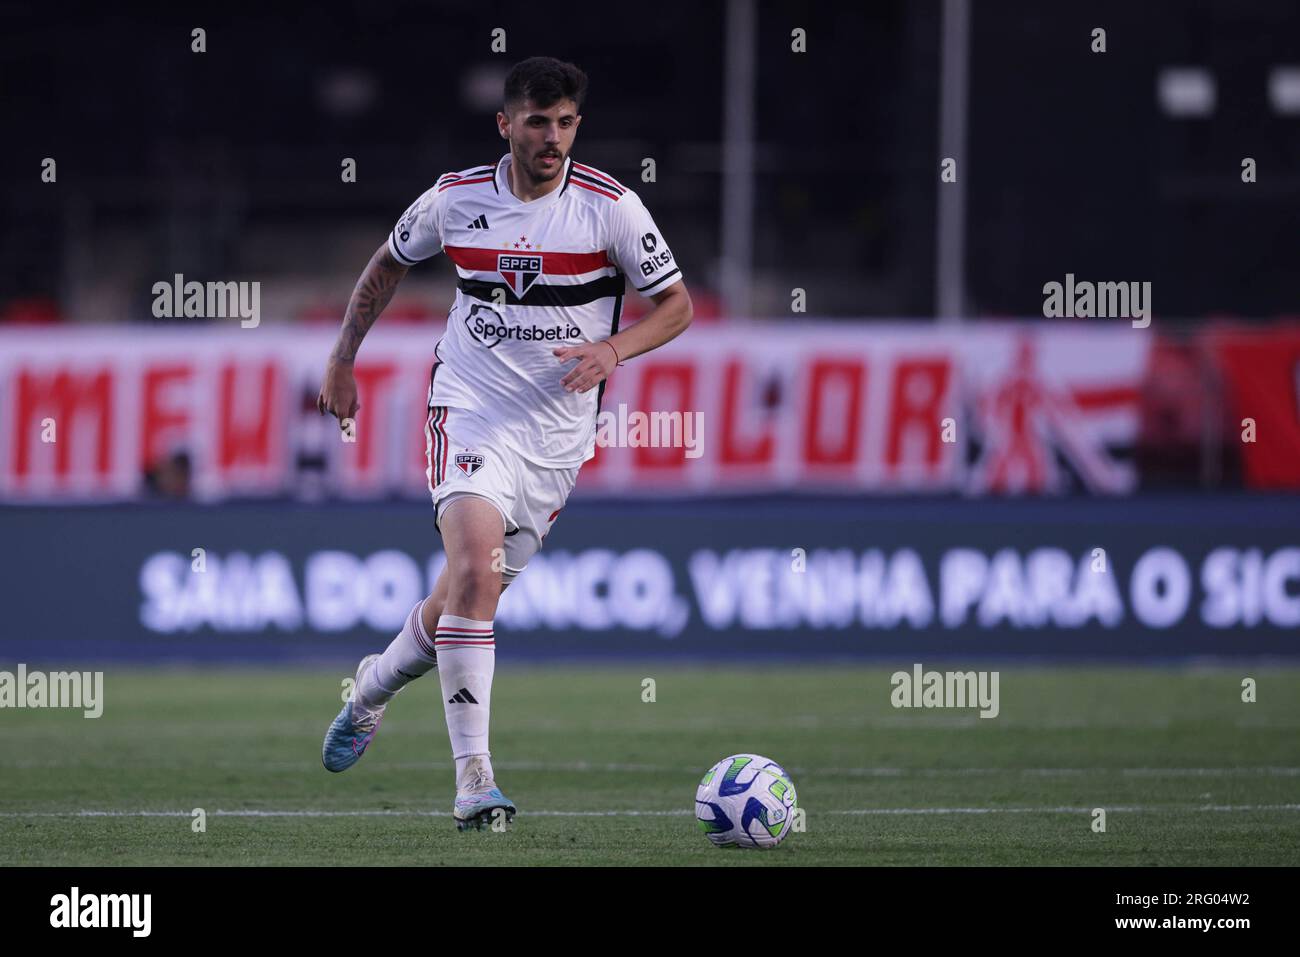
{"x":542,"y":247}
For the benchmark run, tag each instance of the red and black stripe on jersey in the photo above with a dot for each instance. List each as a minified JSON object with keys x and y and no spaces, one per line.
{"x":542,"y":295}
{"x":587,"y":177}
{"x":476,"y":259}
{"x":480,"y":174}
{"x":480,"y":259}
{"x":592,"y":179}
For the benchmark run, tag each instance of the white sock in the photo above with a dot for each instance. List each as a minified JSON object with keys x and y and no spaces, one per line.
{"x":409,"y":656}
{"x":466,"y":659}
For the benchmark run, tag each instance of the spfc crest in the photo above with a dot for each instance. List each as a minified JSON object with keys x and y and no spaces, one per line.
{"x":519,"y":272}
{"x":469,"y":462}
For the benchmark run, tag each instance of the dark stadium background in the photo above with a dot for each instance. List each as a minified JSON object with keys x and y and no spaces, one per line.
{"x":923,"y":303}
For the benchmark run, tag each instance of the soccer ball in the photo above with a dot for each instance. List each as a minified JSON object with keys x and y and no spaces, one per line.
{"x":745,"y":800}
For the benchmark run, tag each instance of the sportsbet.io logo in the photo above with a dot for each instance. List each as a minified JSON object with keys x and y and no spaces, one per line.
{"x":487,"y":326}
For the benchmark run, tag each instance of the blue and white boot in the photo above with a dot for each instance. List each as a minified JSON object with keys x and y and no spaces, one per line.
{"x":352,"y":731}
{"x":479,"y":801}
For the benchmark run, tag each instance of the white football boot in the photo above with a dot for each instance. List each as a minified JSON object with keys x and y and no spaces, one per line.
{"x":478,"y":798}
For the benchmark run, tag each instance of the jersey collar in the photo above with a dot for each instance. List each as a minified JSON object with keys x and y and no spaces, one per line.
{"x":501,"y":183}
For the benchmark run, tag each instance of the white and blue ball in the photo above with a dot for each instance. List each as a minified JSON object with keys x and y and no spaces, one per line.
{"x":746,"y":800}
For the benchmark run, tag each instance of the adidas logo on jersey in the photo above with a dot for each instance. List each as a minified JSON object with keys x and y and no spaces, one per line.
{"x":480,"y":223}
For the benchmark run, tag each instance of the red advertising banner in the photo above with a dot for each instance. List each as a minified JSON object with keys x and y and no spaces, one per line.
{"x":1260,"y":369}
{"x":743,"y":408}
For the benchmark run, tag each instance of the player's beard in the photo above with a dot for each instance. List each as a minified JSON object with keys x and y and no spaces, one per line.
{"x":539,"y":174}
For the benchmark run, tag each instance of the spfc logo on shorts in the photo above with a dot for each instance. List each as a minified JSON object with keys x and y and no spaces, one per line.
{"x":519,"y":272}
{"x":469,"y":462}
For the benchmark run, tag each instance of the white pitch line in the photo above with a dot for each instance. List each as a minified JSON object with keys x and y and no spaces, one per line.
{"x":248,"y":813}
{"x":1135,"y":809}
{"x":1048,"y":772}
{"x":636,"y":768}
{"x":262,"y":814}
{"x":888,"y":771}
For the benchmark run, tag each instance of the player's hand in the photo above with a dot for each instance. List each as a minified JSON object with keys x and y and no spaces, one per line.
{"x":596,"y":360}
{"x":338,"y":394}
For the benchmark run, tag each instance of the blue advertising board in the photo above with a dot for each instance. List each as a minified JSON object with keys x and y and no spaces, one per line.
{"x":1083,"y":579}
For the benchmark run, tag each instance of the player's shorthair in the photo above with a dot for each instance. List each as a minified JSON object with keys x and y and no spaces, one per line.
{"x":545,"y":80}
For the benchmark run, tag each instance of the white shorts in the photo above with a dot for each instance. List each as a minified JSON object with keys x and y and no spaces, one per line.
{"x":465,"y":459}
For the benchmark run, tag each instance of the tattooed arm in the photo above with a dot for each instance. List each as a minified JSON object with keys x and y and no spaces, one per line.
{"x":338,"y":395}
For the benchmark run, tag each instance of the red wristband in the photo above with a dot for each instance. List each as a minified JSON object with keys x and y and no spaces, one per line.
{"x":617,"y":362}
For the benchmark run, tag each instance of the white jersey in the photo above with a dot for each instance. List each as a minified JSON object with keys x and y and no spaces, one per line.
{"x":532,"y":277}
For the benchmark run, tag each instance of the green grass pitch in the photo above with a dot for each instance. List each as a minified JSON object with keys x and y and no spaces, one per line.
{"x":1188,"y":773}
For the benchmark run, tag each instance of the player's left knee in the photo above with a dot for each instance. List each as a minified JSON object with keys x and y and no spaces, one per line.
{"x":474,"y":587}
